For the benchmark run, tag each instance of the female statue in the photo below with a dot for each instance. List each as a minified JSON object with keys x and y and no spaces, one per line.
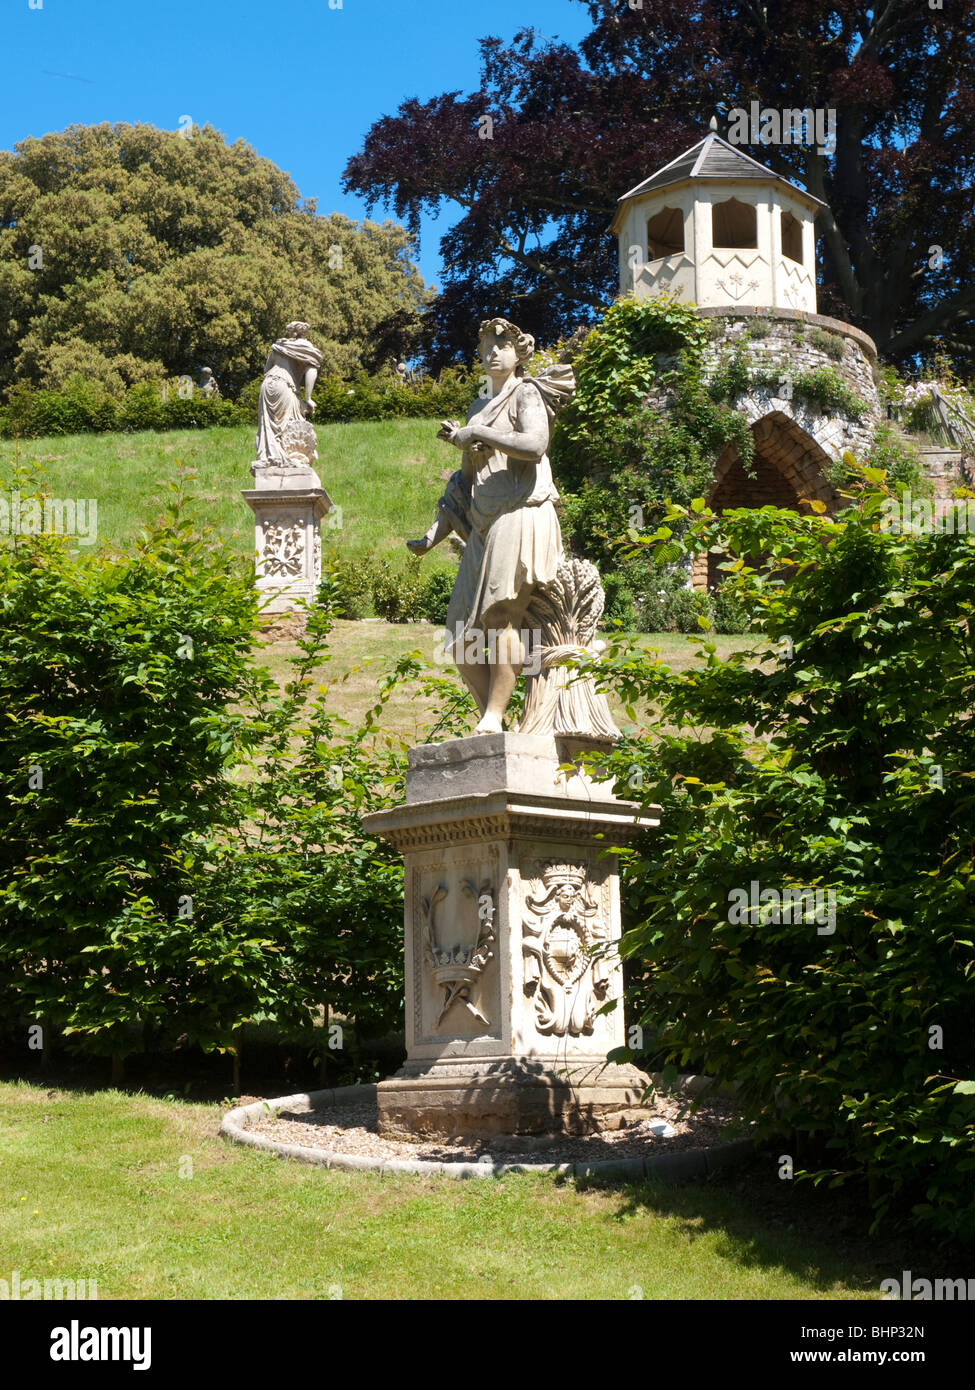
{"x":284,"y":436}
{"x":502,"y":502}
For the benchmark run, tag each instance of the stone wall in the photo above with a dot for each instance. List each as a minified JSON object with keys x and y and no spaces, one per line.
{"x":787,"y":346}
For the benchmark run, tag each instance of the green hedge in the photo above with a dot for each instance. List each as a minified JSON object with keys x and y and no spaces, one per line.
{"x":181,"y":846}
{"x":837,"y":758}
{"x":85,"y":407}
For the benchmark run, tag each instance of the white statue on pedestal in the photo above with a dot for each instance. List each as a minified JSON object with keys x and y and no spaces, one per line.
{"x":285,"y":437}
{"x":514,"y":577}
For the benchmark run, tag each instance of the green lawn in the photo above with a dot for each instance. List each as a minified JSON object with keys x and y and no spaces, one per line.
{"x":362,"y":651}
{"x":92,"y":1189}
{"x":386,"y":476}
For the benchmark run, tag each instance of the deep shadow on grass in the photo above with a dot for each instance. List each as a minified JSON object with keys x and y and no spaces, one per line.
{"x":816,"y":1233}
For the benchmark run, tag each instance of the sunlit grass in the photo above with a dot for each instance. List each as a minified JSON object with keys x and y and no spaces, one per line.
{"x":93,"y":1189}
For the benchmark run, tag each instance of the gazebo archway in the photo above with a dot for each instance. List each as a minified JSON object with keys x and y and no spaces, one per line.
{"x":790,"y":470}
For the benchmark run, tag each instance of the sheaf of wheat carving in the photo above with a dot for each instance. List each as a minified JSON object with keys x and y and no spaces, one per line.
{"x":567,"y":612}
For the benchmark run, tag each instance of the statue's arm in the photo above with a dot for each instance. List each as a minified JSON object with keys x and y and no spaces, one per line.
{"x":311,"y":376}
{"x":529,"y":439}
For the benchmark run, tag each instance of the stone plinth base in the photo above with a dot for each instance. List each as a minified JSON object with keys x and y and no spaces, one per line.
{"x":507,"y":1097}
{"x":289,"y":507}
{"x":513,"y":985}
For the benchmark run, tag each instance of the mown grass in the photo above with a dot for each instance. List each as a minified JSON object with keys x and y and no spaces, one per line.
{"x":363,"y":651}
{"x":385,"y":476}
{"x":92,"y":1189}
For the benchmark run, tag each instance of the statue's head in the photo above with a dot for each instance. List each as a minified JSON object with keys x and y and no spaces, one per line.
{"x":297,"y":329}
{"x":501,"y":331}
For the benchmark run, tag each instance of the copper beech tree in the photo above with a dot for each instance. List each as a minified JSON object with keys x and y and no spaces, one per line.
{"x":535,"y":159}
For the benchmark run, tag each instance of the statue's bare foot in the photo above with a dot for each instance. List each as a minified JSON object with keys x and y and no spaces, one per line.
{"x":489,"y":724}
{"x":419,"y":547}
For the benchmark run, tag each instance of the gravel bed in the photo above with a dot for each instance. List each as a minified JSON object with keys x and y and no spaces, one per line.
{"x":352,"y":1128}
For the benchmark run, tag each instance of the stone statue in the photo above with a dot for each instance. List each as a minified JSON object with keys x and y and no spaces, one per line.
{"x":514,"y":577}
{"x":285,"y":437}
{"x":207,"y":384}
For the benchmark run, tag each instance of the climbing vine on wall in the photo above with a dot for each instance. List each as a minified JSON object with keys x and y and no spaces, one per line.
{"x":620,"y":457}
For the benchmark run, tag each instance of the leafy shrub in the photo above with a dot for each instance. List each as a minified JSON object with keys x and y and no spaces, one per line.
{"x":383,"y":398}
{"x":824,"y":386}
{"x":821,"y":387}
{"x":119,"y":727}
{"x":620,"y":456}
{"x":837,"y":758}
{"x":84,"y":406}
{"x":728,"y":614}
{"x":830,"y":343}
{"x":398,"y":594}
{"x":895,"y":456}
{"x":437,"y":589}
{"x":620,"y":604}
{"x":665,"y":603}
{"x":181,"y":845}
{"x":758,"y":328}
{"x":732,"y":377}
{"x":347,"y":584}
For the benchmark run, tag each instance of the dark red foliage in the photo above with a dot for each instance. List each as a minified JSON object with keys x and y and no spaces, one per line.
{"x":574,"y":129}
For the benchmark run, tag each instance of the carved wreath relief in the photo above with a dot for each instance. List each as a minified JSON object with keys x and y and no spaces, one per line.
{"x":457,"y":969}
{"x":284,"y":548}
{"x":561,"y":934}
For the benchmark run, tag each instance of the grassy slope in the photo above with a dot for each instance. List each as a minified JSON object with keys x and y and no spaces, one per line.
{"x":361,"y":652}
{"x":92,"y":1189}
{"x":385,"y":476}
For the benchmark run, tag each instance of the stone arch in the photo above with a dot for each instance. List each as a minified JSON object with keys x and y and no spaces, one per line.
{"x":790,"y":470}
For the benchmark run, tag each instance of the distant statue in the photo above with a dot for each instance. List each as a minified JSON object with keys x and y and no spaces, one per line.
{"x":285,"y":437}
{"x":208,"y":383}
{"x":513,"y":574}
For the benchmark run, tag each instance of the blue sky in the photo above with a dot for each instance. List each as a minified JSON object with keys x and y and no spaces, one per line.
{"x":302,"y":83}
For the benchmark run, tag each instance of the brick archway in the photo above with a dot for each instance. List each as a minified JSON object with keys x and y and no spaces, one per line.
{"x":789,"y":470}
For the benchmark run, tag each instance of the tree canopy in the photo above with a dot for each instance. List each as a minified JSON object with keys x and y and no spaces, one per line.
{"x":537,"y":157}
{"x":130,"y":253}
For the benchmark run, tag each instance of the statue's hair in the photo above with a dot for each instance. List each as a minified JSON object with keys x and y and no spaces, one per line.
{"x":523,"y":343}
{"x":297,"y":329}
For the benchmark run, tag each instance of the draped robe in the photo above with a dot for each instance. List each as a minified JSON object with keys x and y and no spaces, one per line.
{"x":279,"y":404}
{"x":515,"y":541}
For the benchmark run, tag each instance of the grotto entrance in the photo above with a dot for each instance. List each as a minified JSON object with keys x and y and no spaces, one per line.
{"x":789,"y":470}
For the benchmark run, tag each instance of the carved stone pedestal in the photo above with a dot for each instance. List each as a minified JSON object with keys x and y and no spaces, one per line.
{"x":512,"y":916}
{"x":289,"y":505}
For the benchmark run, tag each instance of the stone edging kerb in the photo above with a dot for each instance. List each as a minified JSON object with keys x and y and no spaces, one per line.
{"x":673,"y":1167}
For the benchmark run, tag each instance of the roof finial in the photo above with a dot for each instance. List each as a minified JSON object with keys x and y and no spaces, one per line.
{"x":713,"y":124}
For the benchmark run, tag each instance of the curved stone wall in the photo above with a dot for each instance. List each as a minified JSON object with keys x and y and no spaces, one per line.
{"x":789,"y":347}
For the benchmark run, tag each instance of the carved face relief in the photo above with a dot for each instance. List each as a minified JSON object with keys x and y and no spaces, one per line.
{"x":560,"y":933}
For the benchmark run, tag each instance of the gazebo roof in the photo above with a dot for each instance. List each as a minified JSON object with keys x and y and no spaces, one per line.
{"x":712,"y":160}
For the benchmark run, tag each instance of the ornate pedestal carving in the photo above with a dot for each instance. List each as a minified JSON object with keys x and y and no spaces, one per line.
{"x":512,"y":915}
{"x":289,"y":505}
